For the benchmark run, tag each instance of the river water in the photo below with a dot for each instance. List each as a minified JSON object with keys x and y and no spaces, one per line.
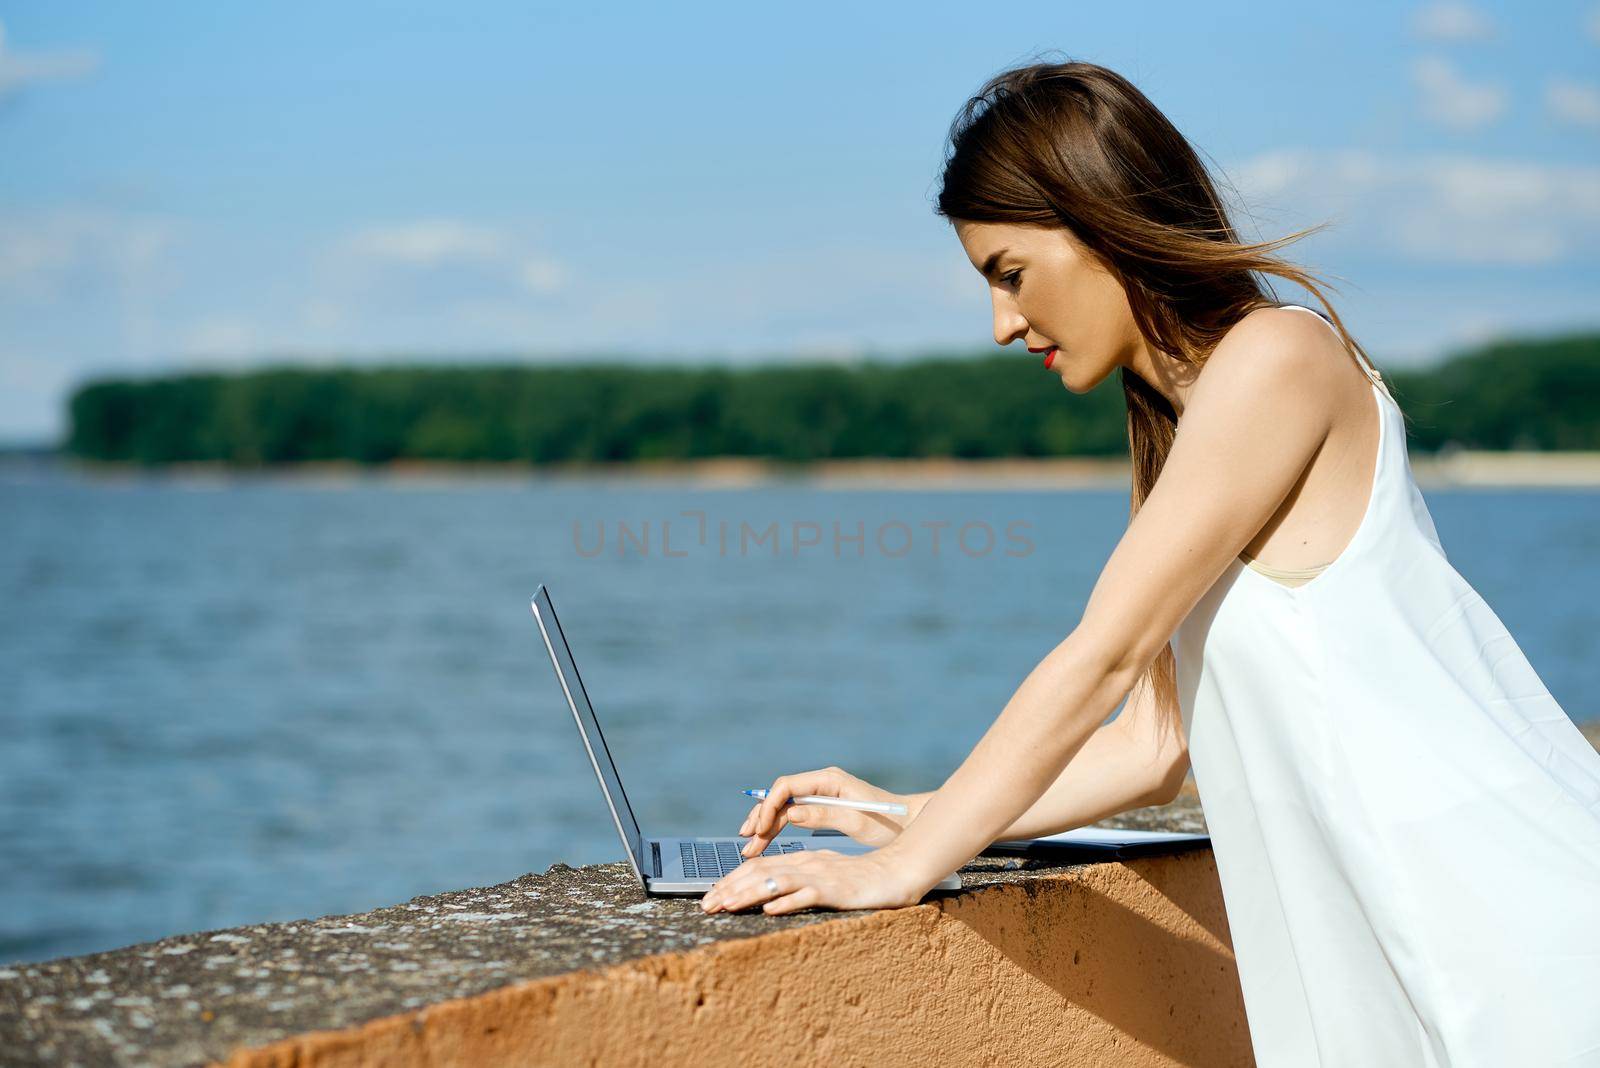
{"x":238,"y":700}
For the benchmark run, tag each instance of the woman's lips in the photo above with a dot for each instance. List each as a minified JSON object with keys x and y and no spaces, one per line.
{"x":1049,"y":358}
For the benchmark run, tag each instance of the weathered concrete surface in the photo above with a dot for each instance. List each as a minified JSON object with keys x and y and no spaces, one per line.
{"x":1109,"y":964}
{"x":1128,"y":961}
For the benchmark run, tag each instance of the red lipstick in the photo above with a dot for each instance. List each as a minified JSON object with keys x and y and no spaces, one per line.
{"x":1049,"y":358}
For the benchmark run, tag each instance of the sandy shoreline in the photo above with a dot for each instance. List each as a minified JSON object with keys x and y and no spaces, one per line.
{"x":1463,"y":468}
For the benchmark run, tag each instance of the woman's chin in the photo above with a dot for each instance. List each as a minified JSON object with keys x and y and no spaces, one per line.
{"x":1079,"y":383}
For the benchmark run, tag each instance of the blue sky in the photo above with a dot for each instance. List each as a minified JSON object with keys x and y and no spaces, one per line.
{"x":189,"y":185}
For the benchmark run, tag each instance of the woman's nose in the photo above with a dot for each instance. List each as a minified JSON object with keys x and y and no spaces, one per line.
{"x":1007,"y":331}
{"x":1008,"y":326}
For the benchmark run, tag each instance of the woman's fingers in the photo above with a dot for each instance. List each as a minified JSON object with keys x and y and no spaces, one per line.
{"x":770,"y":811}
{"x":731,"y":895}
{"x":799,"y":815}
{"x":788,"y":813}
{"x":821,"y":878}
{"x":759,"y":842}
{"x":802,"y":898}
{"x":822,"y":781}
{"x":777,"y":811}
{"x":742,"y":888}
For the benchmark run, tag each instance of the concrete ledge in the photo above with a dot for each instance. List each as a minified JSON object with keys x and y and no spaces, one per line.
{"x":1125,"y":962}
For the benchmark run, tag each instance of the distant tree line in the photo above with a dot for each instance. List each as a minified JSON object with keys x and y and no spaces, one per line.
{"x":1526,"y":394}
{"x":1540,"y":394}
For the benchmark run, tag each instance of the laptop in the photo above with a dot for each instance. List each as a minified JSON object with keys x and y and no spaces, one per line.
{"x":664,"y":866}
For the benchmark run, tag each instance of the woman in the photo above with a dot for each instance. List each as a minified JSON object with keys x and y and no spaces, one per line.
{"x":1406,"y":825}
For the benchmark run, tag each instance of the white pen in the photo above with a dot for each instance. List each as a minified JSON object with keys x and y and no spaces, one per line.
{"x":889,"y":807}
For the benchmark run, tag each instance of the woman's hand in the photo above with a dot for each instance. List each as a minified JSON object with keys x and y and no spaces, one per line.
{"x":820,"y":878}
{"x":768,"y":817}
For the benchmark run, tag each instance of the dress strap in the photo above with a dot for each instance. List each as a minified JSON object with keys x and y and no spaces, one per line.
{"x":1361,"y":361}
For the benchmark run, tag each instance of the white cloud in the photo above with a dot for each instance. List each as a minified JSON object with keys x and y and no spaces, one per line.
{"x":321,"y":314}
{"x":425,"y":243}
{"x":542,"y":276}
{"x":19,"y":70}
{"x":1574,"y":102}
{"x":1449,"y":98}
{"x":222,"y":335}
{"x":440,"y":261}
{"x":1435,"y":208}
{"x":45,"y":256}
{"x":1448,"y":21}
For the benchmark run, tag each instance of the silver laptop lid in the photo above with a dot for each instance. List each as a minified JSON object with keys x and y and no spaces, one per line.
{"x":589,"y":729}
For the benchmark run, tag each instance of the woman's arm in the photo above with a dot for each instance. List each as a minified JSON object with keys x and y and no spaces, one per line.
{"x":1251,"y":424}
{"x":1127,"y":763}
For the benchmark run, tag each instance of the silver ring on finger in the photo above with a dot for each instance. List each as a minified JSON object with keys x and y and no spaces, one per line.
{"x":772,"y":885}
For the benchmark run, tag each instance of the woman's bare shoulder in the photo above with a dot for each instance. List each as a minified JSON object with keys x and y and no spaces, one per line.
{"x":1293,"y":328}
{"x":1278,"y":349}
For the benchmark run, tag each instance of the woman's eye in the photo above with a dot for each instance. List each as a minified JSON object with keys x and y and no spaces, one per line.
{"x":1011,"y":278}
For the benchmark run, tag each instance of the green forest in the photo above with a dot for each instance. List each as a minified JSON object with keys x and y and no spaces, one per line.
{"x":1541,"y":394}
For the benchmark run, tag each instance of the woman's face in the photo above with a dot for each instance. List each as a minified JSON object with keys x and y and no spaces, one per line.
{"x":1048,"y":291}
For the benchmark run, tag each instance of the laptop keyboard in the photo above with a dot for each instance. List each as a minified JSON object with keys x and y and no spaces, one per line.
{"x":713,"y":860}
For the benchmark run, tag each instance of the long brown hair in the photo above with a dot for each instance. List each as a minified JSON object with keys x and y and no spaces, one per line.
{"x":1076,"y":145}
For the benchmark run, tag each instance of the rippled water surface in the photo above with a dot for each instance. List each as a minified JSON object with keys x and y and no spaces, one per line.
{"x":227,"y":702}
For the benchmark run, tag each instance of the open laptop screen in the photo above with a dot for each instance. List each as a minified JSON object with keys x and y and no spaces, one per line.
{"x":588,"y":725}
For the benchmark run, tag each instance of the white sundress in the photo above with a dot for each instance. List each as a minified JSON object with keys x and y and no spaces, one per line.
{"x":1406,"y":824}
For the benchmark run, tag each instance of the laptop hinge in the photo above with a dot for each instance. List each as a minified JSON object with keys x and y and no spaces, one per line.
{"x":655,"y":858}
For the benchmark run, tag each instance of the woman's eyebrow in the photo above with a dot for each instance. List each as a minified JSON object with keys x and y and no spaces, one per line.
{"x":993,"y":261}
